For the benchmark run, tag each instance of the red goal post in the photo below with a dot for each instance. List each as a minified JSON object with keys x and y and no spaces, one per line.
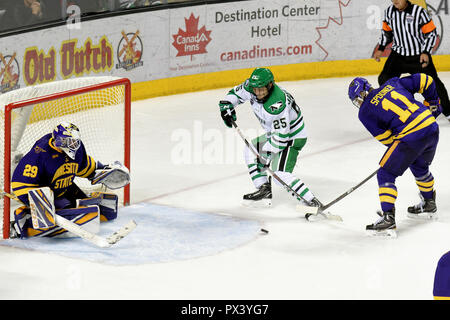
{"x":99,"y":106}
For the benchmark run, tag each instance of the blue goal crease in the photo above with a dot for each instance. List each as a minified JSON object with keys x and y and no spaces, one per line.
{"x":163,"y":234}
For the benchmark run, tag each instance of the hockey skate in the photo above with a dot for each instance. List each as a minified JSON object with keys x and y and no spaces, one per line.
{"x":384,"y":226}
{"x":261,"y":198}
{"x":426,"y":209}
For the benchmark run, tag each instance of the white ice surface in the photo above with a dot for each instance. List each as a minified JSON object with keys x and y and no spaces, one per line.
{"x":297,"y":259}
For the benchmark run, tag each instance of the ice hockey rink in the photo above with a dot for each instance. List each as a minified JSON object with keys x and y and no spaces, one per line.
{"x":195,"y":240}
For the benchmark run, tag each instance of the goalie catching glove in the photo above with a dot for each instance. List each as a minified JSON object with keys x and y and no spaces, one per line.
{"x":113,"y":176}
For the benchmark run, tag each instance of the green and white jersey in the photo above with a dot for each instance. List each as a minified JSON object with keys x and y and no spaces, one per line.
{"x":279,"y":116}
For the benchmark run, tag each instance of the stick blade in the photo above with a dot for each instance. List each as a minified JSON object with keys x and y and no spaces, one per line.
{"x":311,"y":212}
{"x":121,"y":233}
{"x":323,"y":215}
{"x":306,"y":209}
{"x":330,"y":216}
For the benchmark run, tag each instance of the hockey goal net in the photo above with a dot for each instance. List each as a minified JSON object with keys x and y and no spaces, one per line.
{"x":98,"y":106}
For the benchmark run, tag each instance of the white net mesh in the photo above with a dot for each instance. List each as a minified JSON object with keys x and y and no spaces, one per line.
{"x":99,"y":114}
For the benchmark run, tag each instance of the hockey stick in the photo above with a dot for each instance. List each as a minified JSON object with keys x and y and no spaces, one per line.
{"x":84,"y":234}
{"x":342,"y":196}
{"x":308,"y":210}
{"x":346,"y":193}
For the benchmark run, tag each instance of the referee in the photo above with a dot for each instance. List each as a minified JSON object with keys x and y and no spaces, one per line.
{"x":414,"y":35}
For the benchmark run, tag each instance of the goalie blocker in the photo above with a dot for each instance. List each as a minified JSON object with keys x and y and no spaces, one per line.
{"x":39,"y":219}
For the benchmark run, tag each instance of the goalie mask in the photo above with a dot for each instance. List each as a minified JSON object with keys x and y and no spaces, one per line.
{"x":67,"y":137}
{"x":358,"y":90}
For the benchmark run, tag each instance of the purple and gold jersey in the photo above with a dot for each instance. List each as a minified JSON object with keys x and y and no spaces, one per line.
{"x":441,"y":288}
{"x":45,"y":166}
{"x":391,"y":113}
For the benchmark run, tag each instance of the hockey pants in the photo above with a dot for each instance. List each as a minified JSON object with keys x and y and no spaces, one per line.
{"x":282,"y":164}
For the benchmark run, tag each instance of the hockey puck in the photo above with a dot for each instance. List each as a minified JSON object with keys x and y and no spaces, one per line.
{"x":264,"y":231}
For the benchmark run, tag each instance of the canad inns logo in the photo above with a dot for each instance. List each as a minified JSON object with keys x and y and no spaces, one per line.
{"x":193,"y":40}
{"x":9,"y":73}
{"x":129,"y":51}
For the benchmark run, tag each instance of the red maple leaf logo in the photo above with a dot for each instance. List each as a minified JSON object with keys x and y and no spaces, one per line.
{"x":193,"y":40}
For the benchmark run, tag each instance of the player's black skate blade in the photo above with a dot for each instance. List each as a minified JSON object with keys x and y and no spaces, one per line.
{"x":388,"y":233}
{"x":423,"y":216}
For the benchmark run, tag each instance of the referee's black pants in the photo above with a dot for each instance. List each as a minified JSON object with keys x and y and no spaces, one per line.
{"x":397,"y":64}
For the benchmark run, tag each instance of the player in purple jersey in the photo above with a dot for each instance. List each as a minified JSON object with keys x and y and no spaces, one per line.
{"x":54,"y":161}
{"x":46,"y":164}
{"x":441,"y":287}
{"x":409,"y":129}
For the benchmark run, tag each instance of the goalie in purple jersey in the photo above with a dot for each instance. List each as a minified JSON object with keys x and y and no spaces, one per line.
{"x":409,"y":129}
{"x":54,"y":161}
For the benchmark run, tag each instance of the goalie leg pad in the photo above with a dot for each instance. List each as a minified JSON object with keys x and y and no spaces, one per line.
{"x":108,"y":207}
{"x":61,"y":203}
{"x":42,"y":208}
{"x":22,"y":222}
{"x":23,"y":225}
{"x":86,"y":217}
{"x":94,"y":199}
{"x":107,"y":202}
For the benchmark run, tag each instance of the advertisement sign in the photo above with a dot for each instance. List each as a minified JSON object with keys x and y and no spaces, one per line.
{"x":203,"y":38}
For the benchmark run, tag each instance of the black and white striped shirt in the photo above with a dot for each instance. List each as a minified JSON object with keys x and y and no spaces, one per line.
{"x":412,"y":30}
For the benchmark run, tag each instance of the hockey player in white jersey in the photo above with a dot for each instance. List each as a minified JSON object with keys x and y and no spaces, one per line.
{"x":285,"y":135}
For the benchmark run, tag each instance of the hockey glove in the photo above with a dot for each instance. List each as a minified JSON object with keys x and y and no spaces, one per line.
{"x":227,"y":112}
{"x":434,"y":106}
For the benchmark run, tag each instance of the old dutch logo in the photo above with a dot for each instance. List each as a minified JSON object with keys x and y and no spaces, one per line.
{"x":129,"y":51}
{"x":9,"y":73}
{"x":193,"y":40}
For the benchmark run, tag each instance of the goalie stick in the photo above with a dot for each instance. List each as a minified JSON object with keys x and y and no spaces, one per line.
{"x":84,"y":234}
{"x":307,"y":210}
